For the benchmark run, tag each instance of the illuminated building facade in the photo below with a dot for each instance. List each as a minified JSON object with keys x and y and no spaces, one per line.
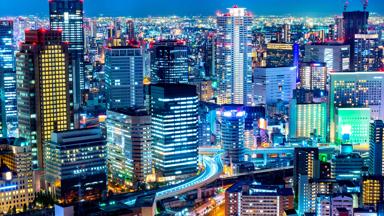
{"x":42,"y":88}
{"x":376,"y":155}
{"x":273,"y":84}
{"x":372,"y":188}
{"x":365,"y":53}
{"x":355,"y":89}
{"x":16,"y":183}
{"x":280,"y":55}
{"x":8,"y":102}
{"x":347,"y":166}
{"x":342,"y":201}
{"x":124,"y":74}
{"x":313,"y":76}
{"x":353,"y":125}
{"x":308,"y":120}
{"x":336,"y":56}
{"x":76,"y":165}
{"x":355,"y":22}
{"x":67,"y":16}
{"x":170,"y":62}
{"x":234,"y":57}
{"x":232,"y":128}
{"x":129,"y":145}
{"x":174,"y":115}
{"x":306,"y":162}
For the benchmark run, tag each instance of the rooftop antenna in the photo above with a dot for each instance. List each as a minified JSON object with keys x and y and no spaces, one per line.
{"x":365,"y":4}
{"x":346,"y":3}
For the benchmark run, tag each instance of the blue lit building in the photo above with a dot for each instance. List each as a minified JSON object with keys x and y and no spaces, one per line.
{"x":232,"y":128}
{"x":7,"y":81}
{"x":174,"y":114}
{"x":124,"y":74}
{"x":76,"y":164}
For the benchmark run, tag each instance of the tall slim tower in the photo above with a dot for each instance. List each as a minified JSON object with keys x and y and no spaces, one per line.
{"x":67,"y":16}
{"x":8,"y":108}
{"x":234,"y":56}
{"x":42,"y":88}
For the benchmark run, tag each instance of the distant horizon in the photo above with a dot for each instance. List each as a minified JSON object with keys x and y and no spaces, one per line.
{"x":164,"y":8}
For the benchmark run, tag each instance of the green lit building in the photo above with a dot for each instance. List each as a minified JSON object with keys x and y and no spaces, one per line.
{"x":352,"y":125}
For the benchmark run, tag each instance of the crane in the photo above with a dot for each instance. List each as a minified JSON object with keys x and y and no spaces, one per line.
{"x":346,"y":3}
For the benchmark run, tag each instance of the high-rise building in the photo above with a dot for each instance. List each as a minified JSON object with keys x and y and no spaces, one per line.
{"x":365,"y":53}
{"x":355,"y":89}
{"x":280,"y":55}
{"x":76,"y":165}
{"x":169,"y":62}
{"x":335,"y":55}
{"x":342,"y":201}
{"x":43,"y":100}
{"x":67,"y":16}
{"x":308,"y":120}
{"x":129,"y":146}
{"x":353,"y":125}
{"x":355,"y":22}
{"x":339,"y":22}
{"x":124,"y":74}
{"x":131,"y":30}
{"x":234,"y":56}
{"x":372,"y":189}
{"x":305,"y":164}
{"x":273,"y":84}
{"x":16,"y":182}
{"x":174,"y":115}
{"x":376,"y":141}
{"x":232,"y":127}
{"x":8,"y":102}
{"x":313,"y":76}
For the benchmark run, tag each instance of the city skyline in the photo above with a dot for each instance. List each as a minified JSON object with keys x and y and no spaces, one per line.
{"x":193,"y":8}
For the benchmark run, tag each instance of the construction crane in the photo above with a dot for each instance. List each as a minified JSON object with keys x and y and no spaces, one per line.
{"x":365,"y":4}
{"x":346,"y":3}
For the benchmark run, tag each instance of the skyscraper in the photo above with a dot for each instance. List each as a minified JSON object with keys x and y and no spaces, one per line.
{"x":67,"y":16}
{"x":234,"y":57}
{"x":174,"y":114}
{"x":365,"y":52}
{"x":335,"y":55}
{"x":305,"y":165}
{"x":129,"y":145}
{"x":232,"y":127}
{"x":170,"y":62}
{"x":280,"y":55}
{"x":352,"y":125}
{"x":355,"y":22}
{"x":42,"y":88}
{"x":76,"y":165}
{"x":124,"y":74}
{"x":376,"y":156}
{"x":8,"y":102}
{"x":313,"y":76}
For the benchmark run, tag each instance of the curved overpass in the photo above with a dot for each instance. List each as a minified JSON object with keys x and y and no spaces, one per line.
{"x":213,"y":169}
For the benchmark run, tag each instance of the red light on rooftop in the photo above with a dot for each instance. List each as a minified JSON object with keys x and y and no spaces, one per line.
{"x":27,"y":30}
{"x":235,"y":6}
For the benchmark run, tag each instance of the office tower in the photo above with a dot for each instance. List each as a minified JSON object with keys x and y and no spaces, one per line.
{"x":376,"y":138}
{"x":245,"y":198}
{"x":358,"y":89}
{"x":67,"y":16}
{"x":42,"y":88}
{"x":129,"y":146}
{"x":335,"y":55}
{"x":313,"y":76}
{"x":233,"y":56}
{"x":286,"y":33}
{"x":347,"y":166}
{"x":254,"y":116}
{"x":310,"y":190}
{"x":124,"y":74}
{"x":232,"y":126}
{"x":273,"y":84}
{"x":365,"y":53}
{"x":169,"y":62}
{"x":355,"y":22}
{"x":339,"y":22}
{"x":174,"y":115}
{"x":305,"y":165}
{"x":8,"y":102}
{"x":353,"y":125}
{"x":76,"y":165}
{"x":16,"y":183}
{"x":372,"y":189}
{"x":280,"y":55}
{"x":308,"y":120}
{"x":342,"y":201}
{"x":131,"y":30}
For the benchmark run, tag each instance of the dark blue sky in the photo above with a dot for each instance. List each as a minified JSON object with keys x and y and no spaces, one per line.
{"x":144,"y":8}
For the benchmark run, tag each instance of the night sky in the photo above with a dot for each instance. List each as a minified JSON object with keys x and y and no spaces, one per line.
{"x":144,"y":8}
